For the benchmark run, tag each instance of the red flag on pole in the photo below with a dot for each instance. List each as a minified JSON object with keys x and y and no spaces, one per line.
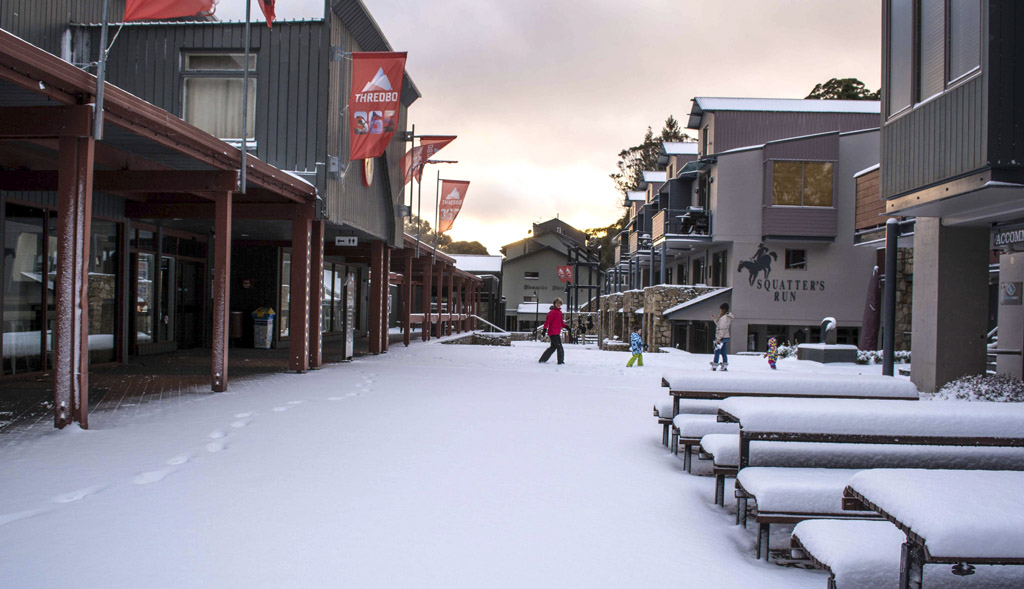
{"x":375,"y":102}
{"x":565,"y":273}
{"x":415,"y":158}
{"x":157,"y":9}
{"x":453,"y":192}
{"x":267,"y":6}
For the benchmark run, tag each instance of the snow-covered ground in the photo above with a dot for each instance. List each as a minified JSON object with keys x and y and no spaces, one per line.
{"x":431,"y":466}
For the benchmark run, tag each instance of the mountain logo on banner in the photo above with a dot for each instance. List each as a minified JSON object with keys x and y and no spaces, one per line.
{"x":451,"y":199}
{"x":379,"y":82}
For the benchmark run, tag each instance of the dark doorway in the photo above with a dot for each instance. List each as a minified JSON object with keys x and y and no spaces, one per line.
{"x":190,"y":298}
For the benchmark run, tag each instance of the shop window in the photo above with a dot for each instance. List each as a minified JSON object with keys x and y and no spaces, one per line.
{"x":213,"y":93}
{"x":718,"y":268}
{"x":806,"y":184}
{"x":796,"y":259}
{"x":285,"y":295}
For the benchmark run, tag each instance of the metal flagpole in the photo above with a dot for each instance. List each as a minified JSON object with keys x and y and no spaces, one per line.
{"x":245,"y":94}
{"x":437,"y":210}
{"x":419,"y":200}
{"x":101,"y":77}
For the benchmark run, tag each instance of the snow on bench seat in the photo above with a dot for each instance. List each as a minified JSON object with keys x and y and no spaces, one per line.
{"x":688,"y":429}
{"x":856,"y":553}
{"x":717,"y":385}
{"x":956,"y":515}
{"x":724,"y":449}
{"x":666,"y":410}
{"x":816,"y":491}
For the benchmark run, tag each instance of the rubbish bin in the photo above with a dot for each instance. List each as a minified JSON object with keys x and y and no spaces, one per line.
{"x":263,"y":330}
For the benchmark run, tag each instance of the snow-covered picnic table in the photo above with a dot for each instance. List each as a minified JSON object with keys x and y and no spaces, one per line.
{"x":965,"y":517}
{"x":666,"y":410}
{"x":689,"y":428}
{"x":717,"y":385}
{"x":933,"y":423}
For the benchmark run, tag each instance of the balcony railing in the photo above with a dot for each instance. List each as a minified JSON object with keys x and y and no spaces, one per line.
{"x":691,"y":222}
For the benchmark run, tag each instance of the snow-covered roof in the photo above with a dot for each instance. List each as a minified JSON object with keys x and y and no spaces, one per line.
{"x":705,"y":103}
{"x":654,"y":176}
{"x":958,"y":513}
{"x":527,"y":308}
{"x":867,"y":170}
{"x":695,"y":300}
{"x":756,"y":385}
{"x":679,"y":147}
{"x":636,"y":195}
{"x":477,"y":262}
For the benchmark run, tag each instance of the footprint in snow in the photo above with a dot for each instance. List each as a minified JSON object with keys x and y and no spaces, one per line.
{"x":216,"y":446}
{"x":245,"y":414}
{"x":179,"y":460}
{"x":295,"y":402}
{"x":78,"y":495}
{"x":282,"y":408}
{"x":217,"y":434}
{"x":153,"y":476}
{"x":336,"y":398}
{"x":6,"y":518}
{"x":241,"y":423}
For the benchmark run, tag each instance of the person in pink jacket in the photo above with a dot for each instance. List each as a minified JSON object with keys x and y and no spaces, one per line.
{"x":553,"y":325}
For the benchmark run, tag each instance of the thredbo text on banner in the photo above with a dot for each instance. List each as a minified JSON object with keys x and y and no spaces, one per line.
{"x":375,"y":102}
{"x":413,"y":160}
{"x":453,"y":192}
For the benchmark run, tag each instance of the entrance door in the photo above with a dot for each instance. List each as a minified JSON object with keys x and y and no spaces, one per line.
{"x":189,"y":299}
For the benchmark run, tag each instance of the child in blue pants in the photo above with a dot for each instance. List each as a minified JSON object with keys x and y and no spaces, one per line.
{"x":636,"y":347}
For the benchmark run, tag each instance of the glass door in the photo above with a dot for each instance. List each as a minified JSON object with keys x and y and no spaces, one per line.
{"x":24,"y":289}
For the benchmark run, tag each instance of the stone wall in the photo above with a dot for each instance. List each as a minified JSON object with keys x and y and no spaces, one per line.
{"x":632,"y":300}
{"x":657,"y":333}
{"x":610,"y":305}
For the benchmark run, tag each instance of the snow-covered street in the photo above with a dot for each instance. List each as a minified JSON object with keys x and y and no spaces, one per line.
{"x":432,"y":466}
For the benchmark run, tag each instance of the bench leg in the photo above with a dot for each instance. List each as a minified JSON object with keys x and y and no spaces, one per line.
{"x":664,"y":435}
{"x":675,"y":441}
{"x":687,"y":457}
{"x":911,"y":565}
{"x":741,"y":511}
{"x":720,"y":490}
{"x":763,"y":536}
{"x":831,"y":582}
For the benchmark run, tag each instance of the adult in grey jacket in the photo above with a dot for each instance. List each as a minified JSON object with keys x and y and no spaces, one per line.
{"x":723,"y":329}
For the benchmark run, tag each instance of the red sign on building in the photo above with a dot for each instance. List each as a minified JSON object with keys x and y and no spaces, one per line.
{"x":565,"y":273}
{"x":415,"y":158}
{"x":375,"y":101}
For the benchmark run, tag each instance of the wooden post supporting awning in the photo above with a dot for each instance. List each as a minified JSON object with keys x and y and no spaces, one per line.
{"x":182,"y":172}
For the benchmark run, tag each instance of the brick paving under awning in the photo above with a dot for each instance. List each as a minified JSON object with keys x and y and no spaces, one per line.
{"x":26,"y":403}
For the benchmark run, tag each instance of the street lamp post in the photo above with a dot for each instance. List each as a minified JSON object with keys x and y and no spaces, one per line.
{"x":536,"y":312}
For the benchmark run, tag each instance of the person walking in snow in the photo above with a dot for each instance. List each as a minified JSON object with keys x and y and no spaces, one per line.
{"x":636,"y":347}
{"x":723,"y":329}
{"x":773,"y":352}
{"x":553,"y":325}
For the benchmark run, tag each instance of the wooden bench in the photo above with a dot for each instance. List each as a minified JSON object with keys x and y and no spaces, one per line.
{"x":858,"y":434}
{"x":716,"y":385}
{"x":723,"y":452}
{"x":667,"y":410}
{"x":962,"y":518}
{"x":689,"y":428}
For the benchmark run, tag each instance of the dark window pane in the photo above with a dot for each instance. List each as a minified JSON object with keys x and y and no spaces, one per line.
{"x":170,"y":246}
{"x":147,"y":241}
{"x":933,"y":35}
{"x":964,"y":36}
{"x":192,"y":248}
{"x":901,"y":54}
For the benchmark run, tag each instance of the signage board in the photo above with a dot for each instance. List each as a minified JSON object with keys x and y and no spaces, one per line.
{"x":1007,"y":235}
{"x":1010,"y":293}
{"x":346,"y":241}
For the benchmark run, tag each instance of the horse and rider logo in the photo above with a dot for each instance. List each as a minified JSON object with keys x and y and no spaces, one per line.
{"x":761,"y":261}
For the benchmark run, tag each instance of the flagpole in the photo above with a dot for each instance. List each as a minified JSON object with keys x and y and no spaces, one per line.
{"x":101,"y":76}
{"x":437,"y":210}
{"x":245,"y":95}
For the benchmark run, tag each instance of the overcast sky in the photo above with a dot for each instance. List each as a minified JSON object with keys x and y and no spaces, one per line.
{"x":543,"y":95}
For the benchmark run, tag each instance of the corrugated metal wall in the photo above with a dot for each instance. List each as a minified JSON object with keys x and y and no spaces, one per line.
{"x":291,"y":66}
{"x":43,"y":22}
{"x":936,"y":141}
{"x":733,"y":129}
{"x":103,"y":204}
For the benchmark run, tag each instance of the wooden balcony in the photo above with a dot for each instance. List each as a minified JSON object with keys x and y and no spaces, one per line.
{"x":689,"y":222}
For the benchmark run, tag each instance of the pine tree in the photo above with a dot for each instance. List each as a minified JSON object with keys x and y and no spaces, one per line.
{"x":843,"y":89}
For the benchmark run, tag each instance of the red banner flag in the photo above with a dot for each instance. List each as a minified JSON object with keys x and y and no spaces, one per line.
{"x":413,"y":160}
{"x":375,"y":101}
{"x":267,"y":6}
{"x":158,"y":9}
{"x":453,"y":192}
{"x":565,"y":273}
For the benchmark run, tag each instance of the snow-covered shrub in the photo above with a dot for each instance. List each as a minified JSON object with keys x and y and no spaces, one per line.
{"x":877,"y":356}
{"x":988,"y":387}
{"x":787,"y":351}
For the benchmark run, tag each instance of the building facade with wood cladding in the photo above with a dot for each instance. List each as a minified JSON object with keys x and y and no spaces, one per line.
{"x":140,"y":241}
{"x":952,"y":157}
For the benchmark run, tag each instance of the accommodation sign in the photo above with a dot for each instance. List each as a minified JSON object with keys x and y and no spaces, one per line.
{"x":781,"y":290}
{"x":1007,"y":235}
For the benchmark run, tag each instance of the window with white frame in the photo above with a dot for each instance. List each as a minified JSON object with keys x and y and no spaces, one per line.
{"x":213,"y":93}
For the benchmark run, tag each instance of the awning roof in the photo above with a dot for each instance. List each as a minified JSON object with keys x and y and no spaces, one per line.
{"x":699,"y":308}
